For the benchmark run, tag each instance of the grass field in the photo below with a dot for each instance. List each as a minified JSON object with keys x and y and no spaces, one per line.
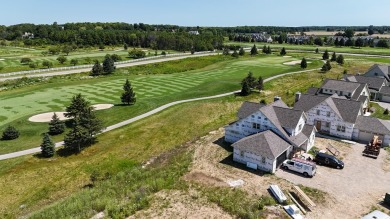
{"x":362,"y":50}
{"x":10,"y":57}
{"x":332,"y":33}
{"x":57,"y":188}
{"x":151,"y":90}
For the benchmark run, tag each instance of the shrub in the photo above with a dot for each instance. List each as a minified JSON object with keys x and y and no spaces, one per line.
{"x":386,"y":112}
{"x":10,"y":133}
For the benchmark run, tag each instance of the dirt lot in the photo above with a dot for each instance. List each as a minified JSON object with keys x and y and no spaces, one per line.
{"x":350,"y":192}
{"x":354,"y":189}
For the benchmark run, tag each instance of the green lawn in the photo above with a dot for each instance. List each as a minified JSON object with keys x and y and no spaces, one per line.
{"x":362,"y":50}
{"x":151,"y":90}
{"x":10,"y":57}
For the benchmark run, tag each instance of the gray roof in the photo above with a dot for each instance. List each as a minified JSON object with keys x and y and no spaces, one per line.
{"x":312,"y":90}
{"x":383,"y":68}
{"x":385,"y":90}
{"x":248,"y":108}
{"x":307,"y":130}
{"x":348,"y":110}
{"x":287,"y":117}
{"x":340,"y":85}
{"x":266,"y":143}
{"x":371,"y":124}
{"x":372,"y":82}
{"x":358,"y":91}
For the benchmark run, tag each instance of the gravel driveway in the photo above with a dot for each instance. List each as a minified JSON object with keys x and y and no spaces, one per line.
{"x":353,"y":190}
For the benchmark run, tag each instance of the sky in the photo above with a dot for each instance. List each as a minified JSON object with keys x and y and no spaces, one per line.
{"x":200,"y":12}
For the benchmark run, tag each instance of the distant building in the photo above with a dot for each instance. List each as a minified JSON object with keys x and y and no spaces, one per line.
{"x":193,"y":32}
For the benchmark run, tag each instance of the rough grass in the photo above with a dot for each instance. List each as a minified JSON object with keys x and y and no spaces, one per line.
{"x":317,"y":196}
{"x":379,"y":112}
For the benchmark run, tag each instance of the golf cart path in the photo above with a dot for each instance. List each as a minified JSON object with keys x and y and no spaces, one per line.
{"x":152,"y":112}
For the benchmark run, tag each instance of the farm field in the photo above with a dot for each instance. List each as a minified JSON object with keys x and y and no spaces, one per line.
{"x":152,"y":91}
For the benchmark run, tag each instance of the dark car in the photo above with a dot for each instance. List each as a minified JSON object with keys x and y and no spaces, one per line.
{"x":328,"y":160}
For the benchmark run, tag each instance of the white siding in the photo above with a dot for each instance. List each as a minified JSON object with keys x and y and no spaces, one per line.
{"x":244,"y":157}
{"x":301,"y":124}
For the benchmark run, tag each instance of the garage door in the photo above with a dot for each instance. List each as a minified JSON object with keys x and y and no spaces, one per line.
{"x":281,"y":158}
{"x":367,"y":136}
{"x":385,"y":98}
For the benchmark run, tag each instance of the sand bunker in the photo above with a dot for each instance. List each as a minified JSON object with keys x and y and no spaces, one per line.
{"x":287,"y":56}
{"x":46,"y":117}
{"x":2,"y":59}
{"x":293,"y":62}
{"x":102,"y":106}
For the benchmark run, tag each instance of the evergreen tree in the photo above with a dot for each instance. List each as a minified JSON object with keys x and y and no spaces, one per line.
{"x":269,"y":50}
{"x":254,"y":50}
{"x":225,"y":51}
{"x":128,"y":96}
{"x":324,"y":68}
{"x":125,"y":46}
{"x":333,"y":59}
{"x":283,"y":52}
{"x":61,"y":59}
{"x":241,"y":52}
{"x":77,"y":107}
{"x":328,"y":65}
{"x":342,"y":42}
{"x":245,"y":90}
{"x":47,"y":146}
{"x":108,"y":65}
{"x":264,"y":49}
{"x":317,"y":51}
{"x":340,"y":59}
{"x":250,"y":80}
{"x":74,"y":62}
{"x":235,"y":54}
{"x":259,"y":84}
{"x":56,"y":126}
{"x":76,"y":138}
{"x":303,"y":63}
{"x":336,"y":42}
{"x":97,"y":69}
{"x":10,"y":133}
{"x":325,"y":56}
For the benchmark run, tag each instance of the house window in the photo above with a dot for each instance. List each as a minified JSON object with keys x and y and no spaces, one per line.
{"x":242,"y":153}
{"x":318,"y":112}
{"x":265,"y":119}
{"x":328,"y":114}
{"x":256,"y":125}
{"x":341,"y":128}
{"x":253,"y":116}
{"x":259,"y":117}
{"x":263,"y":159}
{"x":300,"y":127}
{"x":327,"y":125}
{"x":237,"y":124}
{"x":376,"y":74}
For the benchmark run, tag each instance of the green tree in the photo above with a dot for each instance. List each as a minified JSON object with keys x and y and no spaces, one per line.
{"x":163,"y":53}
{"x":325,"y":56}
{"x":268,"y":50}
{"x":386,"y":112}
{"x":283,"y":52}
{"x":333,"y":59}
{"x":264,"y":50}
{"x":349,"y":33}
{"x":67,"y":50}
{"x":245,"y":90}
{"x":74,"y":62}
{"x":254,"y":50}
{"x":340,"y":59}
{"x":56,"y":126}
{"x":225,"y":51}
{"x":10,"y":133}
{"x":303,"y":63}
{"x":317,"y":51}
{"x":47,"y":146}
{"x":97,"y":69}
{"x":33,"y":65}
{"x":116,"y":57}
{"x":259,"y":84}
{"x":318,"y":41}
{"x":324,"y":68}
{"x":382,"y":43}
{"x":241,"y":52}
{"x":108,"y":65}
{"x":359,"y":42}
{"x":370,"y":30}
{"x":251,"y":81}
{"x":328,"y":65}
{"x":47,"y":64}
{"x":128,"y":95}
{"x":235,"y":54}
{"x":76,"y":138}
{"x":61,"y":59}
{"x":25,"y":60}
{"x":77,"y":107}
{"x":125,"y":46}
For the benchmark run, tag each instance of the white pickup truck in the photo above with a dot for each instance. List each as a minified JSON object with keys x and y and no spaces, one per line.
{"x":305,"y":167}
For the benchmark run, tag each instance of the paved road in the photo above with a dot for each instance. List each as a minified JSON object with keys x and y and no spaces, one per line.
{"x":126,"y":122}
{"x":81,"y":70}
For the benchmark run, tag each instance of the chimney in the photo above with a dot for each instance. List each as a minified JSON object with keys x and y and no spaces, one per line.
{"x":297,"y":96}
{"x":276,"y":98}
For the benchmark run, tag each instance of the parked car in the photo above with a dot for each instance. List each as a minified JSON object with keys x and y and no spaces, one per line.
{"x":307,"y":168}
{"x":328,"y":160}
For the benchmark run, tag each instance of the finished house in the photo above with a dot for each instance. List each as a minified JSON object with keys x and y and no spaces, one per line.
{"x":381,"y":71}
{"x":265,"y":135}
{"x":375,"y":85}
{"x":350,"y":90}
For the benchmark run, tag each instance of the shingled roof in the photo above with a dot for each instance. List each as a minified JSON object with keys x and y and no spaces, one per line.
{"x":340,"y":85}
{"x":348,"y":110}
{"x":287,"y":117}
{"x":266,"y":143}
{"x":371,"y":124}
{"x":248,"y":108}
{"x":385,"y":90}
{"x":383,"y":68}
{"x":372,"y":82}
